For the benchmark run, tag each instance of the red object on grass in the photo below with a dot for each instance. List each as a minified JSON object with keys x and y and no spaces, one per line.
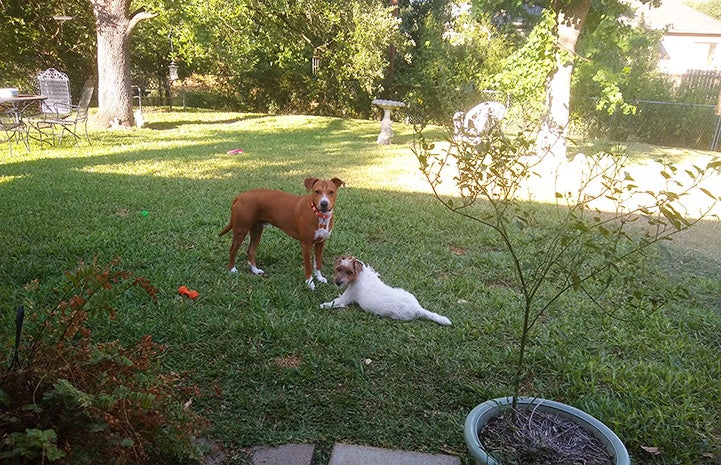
{"x":191,"y":293}
{"x":234,"y":151}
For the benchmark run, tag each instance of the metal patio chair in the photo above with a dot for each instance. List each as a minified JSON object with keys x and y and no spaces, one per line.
{"x":13,"y":131}
{"x":69,"y":124}
{"x":55,"y":85}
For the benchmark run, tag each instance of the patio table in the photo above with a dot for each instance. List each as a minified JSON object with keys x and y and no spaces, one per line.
{"x":18,"y":106}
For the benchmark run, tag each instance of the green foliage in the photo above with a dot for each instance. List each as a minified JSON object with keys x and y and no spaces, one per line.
{"x":618,"y":66}
{"x":32,"y":444}
{"x":454,"y":52}
{"x":69,"y":398}
{"x":617,"y":69}
{"x":258,"y":55}
{"x":618,"y":62}
{"x":351,"y":68}
{"x":34,"y":41}
{"x":268,"y":49}
{"x":524,"y":73}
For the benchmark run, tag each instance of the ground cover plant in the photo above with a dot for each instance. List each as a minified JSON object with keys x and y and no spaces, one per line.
{"x":273,"y":367}
{"x":69,"y":397}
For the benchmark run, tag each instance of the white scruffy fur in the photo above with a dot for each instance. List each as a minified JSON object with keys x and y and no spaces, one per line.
{"x":364,"y":287}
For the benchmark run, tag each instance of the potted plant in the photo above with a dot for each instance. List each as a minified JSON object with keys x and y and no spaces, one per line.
{"x":596,"y":217}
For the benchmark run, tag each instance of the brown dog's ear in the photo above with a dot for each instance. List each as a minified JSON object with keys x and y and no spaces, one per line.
{"x":309,"y":183}
{"x":338,"y":182}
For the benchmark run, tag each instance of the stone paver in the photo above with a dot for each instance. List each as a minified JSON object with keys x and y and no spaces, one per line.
{"x":347,"y":454}
{"x":288,"y":454}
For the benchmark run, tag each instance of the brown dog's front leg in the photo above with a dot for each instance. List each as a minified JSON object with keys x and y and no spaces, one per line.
{"x":319,"y":246}
{"x":307,"y":268}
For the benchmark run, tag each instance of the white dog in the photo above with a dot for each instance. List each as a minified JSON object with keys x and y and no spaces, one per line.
{"x":364,"y":287}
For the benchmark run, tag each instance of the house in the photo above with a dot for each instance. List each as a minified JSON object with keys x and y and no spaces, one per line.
{"x":691,"y":41}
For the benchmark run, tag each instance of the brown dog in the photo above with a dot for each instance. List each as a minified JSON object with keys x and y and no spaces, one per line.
{"x":307,"y":218}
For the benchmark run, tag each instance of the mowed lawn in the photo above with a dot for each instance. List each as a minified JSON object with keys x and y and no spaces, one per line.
{"x":275,"y":368}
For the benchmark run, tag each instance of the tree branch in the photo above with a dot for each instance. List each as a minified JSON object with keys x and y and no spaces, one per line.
{"x":137,"y":17}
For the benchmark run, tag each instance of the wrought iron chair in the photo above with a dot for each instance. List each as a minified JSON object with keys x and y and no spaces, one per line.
{"x":55,"y":85}
{"x":78,"y":116}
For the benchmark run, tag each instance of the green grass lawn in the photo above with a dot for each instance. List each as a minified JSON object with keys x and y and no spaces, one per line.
{"x":275,"y":368}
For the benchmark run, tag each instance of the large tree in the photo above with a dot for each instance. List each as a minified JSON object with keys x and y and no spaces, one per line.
{"x":115,"y":25}
{"x":602,"y":21}
{"x":570,"y":20}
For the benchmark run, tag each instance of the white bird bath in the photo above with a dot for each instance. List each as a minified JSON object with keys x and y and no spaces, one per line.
{"x":386,"y":135}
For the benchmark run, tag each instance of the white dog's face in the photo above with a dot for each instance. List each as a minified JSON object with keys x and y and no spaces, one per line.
{"x":346,"y":270}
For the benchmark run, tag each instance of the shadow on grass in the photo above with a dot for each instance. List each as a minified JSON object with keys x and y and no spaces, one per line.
{"x":175,"y":124}
{"x":65,"y":204}
{"x":283,"y":150}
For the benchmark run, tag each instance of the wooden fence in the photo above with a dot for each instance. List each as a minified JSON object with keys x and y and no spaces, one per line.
{"x":697,"y":86}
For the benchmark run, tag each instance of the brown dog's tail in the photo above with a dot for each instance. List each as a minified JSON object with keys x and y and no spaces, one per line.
{"x":226,"y":229}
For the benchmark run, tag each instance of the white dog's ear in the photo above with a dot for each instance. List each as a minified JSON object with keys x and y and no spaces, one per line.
{"x":357,"y":266}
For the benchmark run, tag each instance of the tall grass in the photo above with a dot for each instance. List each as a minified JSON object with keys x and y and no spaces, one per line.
{"x":274,"y":367}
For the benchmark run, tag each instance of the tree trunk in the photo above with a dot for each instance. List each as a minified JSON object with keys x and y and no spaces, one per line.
{"x":570,"y":20}
{"x":114,"y":28}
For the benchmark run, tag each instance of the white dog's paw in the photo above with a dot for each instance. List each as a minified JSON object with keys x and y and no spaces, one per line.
{"x":233,"y":270}
{"x":309,"y":282}
{"x":331,"y":304}
{"x":320,"y":277}
{"x":256,"y":271}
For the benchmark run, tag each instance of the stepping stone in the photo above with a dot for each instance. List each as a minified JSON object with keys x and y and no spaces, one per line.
{"x":288,"y":454}
{"x":347,"y":454}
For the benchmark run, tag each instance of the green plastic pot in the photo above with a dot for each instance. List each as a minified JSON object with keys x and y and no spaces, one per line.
{"x":479,"y":416}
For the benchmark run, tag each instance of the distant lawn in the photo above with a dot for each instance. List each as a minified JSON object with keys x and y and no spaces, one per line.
{"x":273,"y":367}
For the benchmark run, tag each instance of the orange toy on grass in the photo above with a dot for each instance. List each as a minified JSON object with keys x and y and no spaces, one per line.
{"x":191,"y":293}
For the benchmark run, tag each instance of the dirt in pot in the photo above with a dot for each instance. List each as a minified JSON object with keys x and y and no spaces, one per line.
{"x":531,"y":437}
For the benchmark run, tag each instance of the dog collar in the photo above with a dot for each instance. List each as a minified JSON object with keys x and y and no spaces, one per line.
{"x":323,"y":218}
{"x":320,"y":214}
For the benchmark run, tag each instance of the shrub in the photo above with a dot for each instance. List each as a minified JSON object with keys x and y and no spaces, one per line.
{"x":594,"y":239}
{"x":68,"y":398}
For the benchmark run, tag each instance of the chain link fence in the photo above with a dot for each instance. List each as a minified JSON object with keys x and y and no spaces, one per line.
{"x":677,"y":110}
{"x":692,"y":124}
{"x":675,"y":124}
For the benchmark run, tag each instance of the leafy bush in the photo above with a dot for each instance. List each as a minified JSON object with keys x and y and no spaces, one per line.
{"x":454,"y":52}
{"x":68,"y":398}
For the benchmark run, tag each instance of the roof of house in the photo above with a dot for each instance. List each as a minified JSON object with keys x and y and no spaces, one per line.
{"x":678,"y":17}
